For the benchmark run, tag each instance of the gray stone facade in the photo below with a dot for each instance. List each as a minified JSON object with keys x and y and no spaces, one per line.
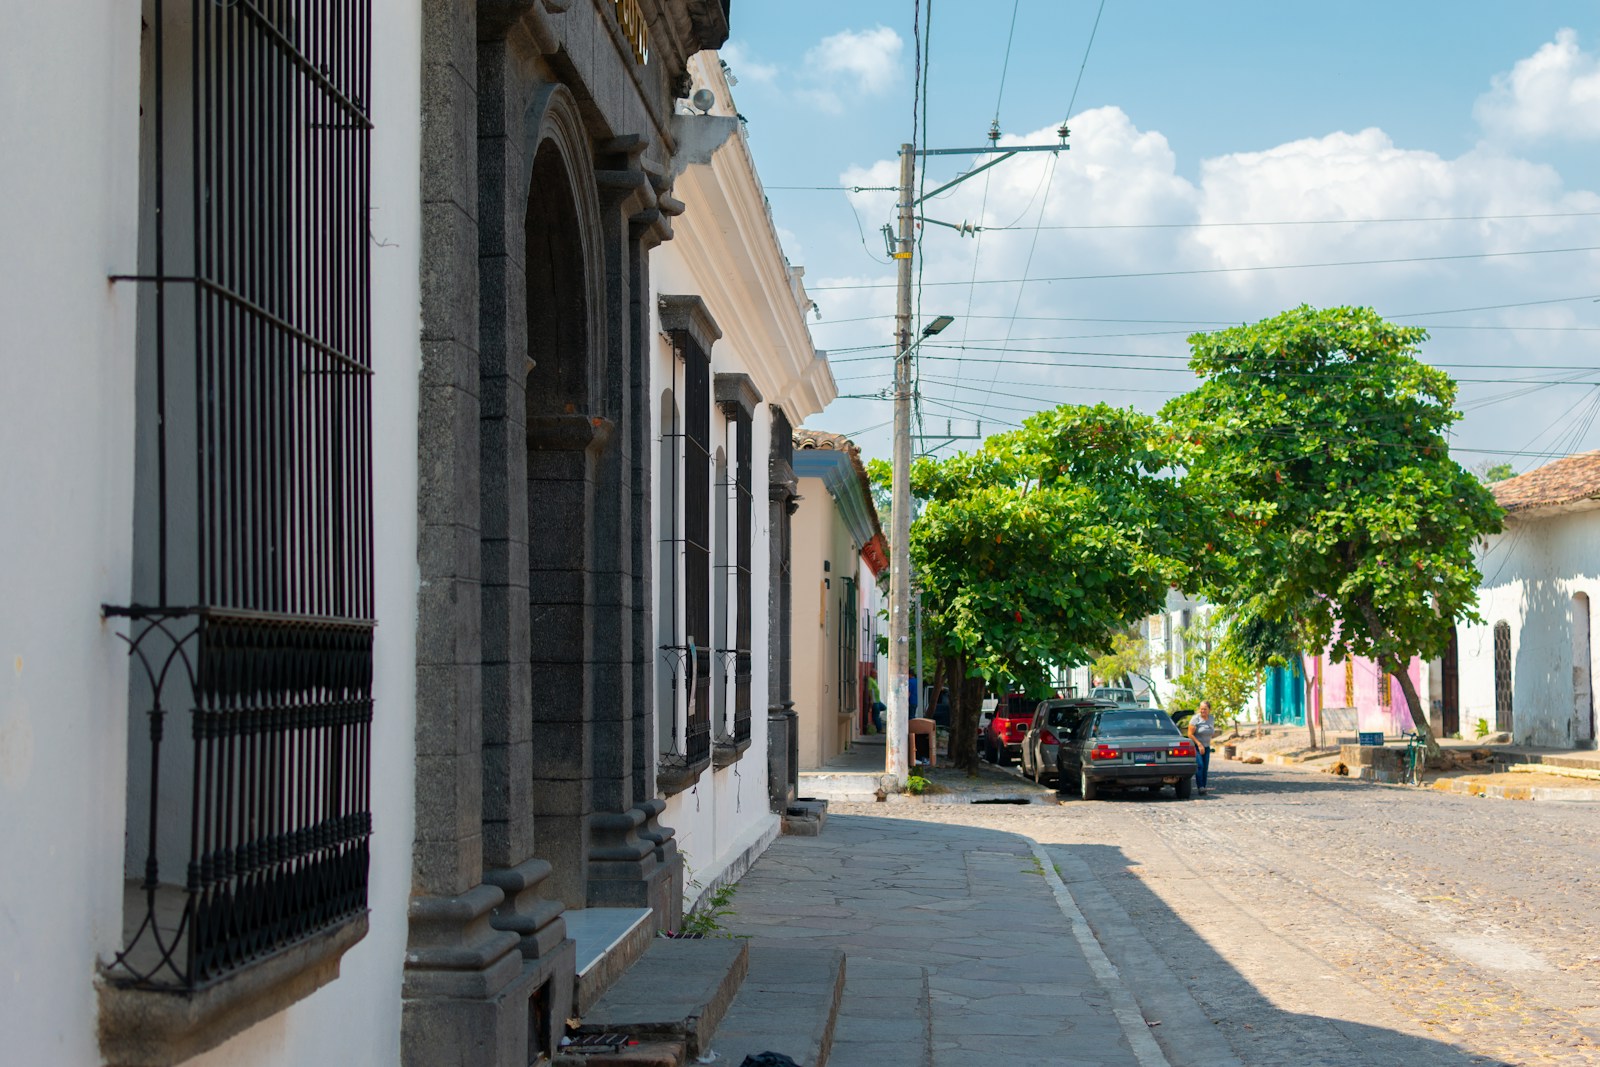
{"x":545,"y":183}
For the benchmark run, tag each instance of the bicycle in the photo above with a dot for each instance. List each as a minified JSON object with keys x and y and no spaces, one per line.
{"x":1416,"y":758}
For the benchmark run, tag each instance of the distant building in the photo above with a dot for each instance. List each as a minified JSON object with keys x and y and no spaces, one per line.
{"x":838,"y":553}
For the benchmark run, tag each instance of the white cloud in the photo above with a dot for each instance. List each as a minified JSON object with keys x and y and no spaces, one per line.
{"x":745,"y":66}
{"x":1116,"y":204}
{"x":850,"y":64}
{"x":1554,"y":93}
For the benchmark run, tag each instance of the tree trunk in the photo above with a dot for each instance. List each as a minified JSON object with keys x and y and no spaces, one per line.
{"x":1392,"y":663}
{"x":963,"y":715}
{"x":1311,"y":718}
{"x":1395,"y":667}
{"x":941,"y":678}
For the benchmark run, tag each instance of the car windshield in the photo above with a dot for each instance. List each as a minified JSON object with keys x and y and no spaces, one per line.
{"x":1134,"y":724}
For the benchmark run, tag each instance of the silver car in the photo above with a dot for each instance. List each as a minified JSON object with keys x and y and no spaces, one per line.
{"x":1051,"y":721}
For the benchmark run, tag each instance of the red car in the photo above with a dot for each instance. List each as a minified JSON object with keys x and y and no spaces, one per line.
{"x":1002,"y":738}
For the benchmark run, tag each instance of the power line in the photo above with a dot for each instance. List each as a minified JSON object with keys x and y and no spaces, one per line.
{"x":1239,"y":321}
{"x":1306,"y":222}
{"x":1234,"y":270}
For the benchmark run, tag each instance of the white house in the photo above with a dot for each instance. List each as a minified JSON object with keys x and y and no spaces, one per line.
{"x":1525,"y":670}
{"x":327,"y":566}
{"x":733,"y":364}
{"x":194,"y":551}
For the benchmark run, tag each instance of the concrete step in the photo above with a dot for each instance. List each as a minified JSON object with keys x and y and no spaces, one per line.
{"x":885,"y":1017}
{"x":788,"y":1003}
{"x":679,"y":990}
{"x":609,"y":941}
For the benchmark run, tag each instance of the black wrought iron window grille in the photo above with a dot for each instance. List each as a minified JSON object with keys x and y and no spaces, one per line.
{"x":736,"y":661}
{"x":1502,"y":677}
{"x":848,"y":653}
{"x":690,"y":658}
{"x":251,"y":621}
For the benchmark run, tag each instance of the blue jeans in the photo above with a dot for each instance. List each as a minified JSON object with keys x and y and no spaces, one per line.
{"x":1201,"y":764}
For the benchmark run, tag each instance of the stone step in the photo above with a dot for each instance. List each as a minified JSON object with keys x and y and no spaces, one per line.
{"x":679,"y":990}
{"x":788,"y":1003}
{"x":609,"y":941}
{"x":886,"y":1015}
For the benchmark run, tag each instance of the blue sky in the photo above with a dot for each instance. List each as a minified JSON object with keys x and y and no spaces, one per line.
{"x":1328,"y":122}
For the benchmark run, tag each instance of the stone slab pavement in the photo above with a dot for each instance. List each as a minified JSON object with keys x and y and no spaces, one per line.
{"x":962,"y":947}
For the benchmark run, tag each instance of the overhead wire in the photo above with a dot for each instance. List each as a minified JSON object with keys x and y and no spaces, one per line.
{"x":1050,"y":172}
{"x":1190,"y":271}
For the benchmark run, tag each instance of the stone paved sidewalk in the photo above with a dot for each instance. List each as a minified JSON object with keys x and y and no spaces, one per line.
{"x":962,"y":947}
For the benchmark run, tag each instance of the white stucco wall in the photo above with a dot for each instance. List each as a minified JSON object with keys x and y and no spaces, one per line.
{"x":725,"y":250}
{"x":69,"y":118}
{"x":68,"y":218}
{"x":1531,"y":573}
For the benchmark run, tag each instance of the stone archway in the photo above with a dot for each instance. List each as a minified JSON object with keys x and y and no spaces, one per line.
{"x":563,"y":300}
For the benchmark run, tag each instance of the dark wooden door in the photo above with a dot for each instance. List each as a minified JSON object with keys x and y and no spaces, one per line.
{"x":1450,"y":690}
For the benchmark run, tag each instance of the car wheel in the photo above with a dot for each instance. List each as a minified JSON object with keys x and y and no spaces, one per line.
{"x":1087,"y":788}
{"x":1184,"y":788}
{"x":1002,"y":758}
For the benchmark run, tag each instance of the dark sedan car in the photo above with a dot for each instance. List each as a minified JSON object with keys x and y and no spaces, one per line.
{"x":1126,"y":748}
{"x":1051,"y":721}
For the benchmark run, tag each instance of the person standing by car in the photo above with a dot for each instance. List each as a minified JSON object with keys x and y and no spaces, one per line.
{"x":1201,"y":731}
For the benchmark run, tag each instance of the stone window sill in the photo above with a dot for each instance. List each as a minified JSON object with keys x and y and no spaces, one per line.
{"x":727,"y":753}
{"x":153,"y":1028}
{"x":672,"y":778}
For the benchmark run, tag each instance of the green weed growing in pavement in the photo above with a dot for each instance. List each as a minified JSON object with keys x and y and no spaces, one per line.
{"x":917,"y":785}
{"x":1037,"y":868}
{"x":706,"y":920}
{"x":1482,"y":729}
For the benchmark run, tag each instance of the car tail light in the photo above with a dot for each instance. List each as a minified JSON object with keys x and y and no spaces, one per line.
{"x":1047,"y":738}
{"x":1103,"y":751}
{"x":1183,"y":749}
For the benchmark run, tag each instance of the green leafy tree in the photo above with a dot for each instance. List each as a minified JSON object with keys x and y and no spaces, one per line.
{"x":1037,"y":546}
{"x":1127,"y":656}
{"x":1215,"y":668}
{"x":1494,"y":472}
{"x":1317,"y":439}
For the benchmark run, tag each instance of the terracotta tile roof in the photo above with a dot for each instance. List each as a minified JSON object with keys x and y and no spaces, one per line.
{"x":838,"y":442}
{"x":877,"y":548}
{"x":1566,"y":481}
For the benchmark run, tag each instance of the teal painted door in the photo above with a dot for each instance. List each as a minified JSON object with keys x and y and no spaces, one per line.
{"x":1286,"y":695}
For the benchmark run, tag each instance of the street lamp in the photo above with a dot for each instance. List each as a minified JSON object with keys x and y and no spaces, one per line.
{"x":937,"y":325}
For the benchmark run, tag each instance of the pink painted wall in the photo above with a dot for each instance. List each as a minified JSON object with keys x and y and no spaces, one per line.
{"x":1378,"y":699}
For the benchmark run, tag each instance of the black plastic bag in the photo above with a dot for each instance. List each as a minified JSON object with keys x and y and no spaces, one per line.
{"x":768,"y":1059}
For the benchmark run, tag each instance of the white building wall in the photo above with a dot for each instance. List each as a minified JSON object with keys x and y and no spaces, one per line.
{"x":726,"y":251}
{"x":68,"y":218}
{"x":1531,"y":573}
{"x":69,"y":119}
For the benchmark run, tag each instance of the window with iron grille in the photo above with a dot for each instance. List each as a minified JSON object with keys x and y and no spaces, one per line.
{"x":848,"y":657}
{"x":250,"y":625}
{"x":1502,"y":677}
{"x":697,"y":547}
{"x":743,"y":518}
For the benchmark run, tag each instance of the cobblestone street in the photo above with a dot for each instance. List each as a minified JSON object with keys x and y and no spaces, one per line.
{"x":1292,"y":918}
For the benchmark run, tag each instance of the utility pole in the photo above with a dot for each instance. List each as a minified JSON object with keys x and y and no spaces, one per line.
{"x":896,"y":722}
{"x":896,"y":758}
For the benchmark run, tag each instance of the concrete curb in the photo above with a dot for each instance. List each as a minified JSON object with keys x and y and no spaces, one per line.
{"x":1476,"y":786}
{"x":1481,"y":787}
{"x":1145,"y":1047}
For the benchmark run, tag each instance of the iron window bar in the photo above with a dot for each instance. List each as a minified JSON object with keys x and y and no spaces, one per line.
{"x":269,"y":647}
